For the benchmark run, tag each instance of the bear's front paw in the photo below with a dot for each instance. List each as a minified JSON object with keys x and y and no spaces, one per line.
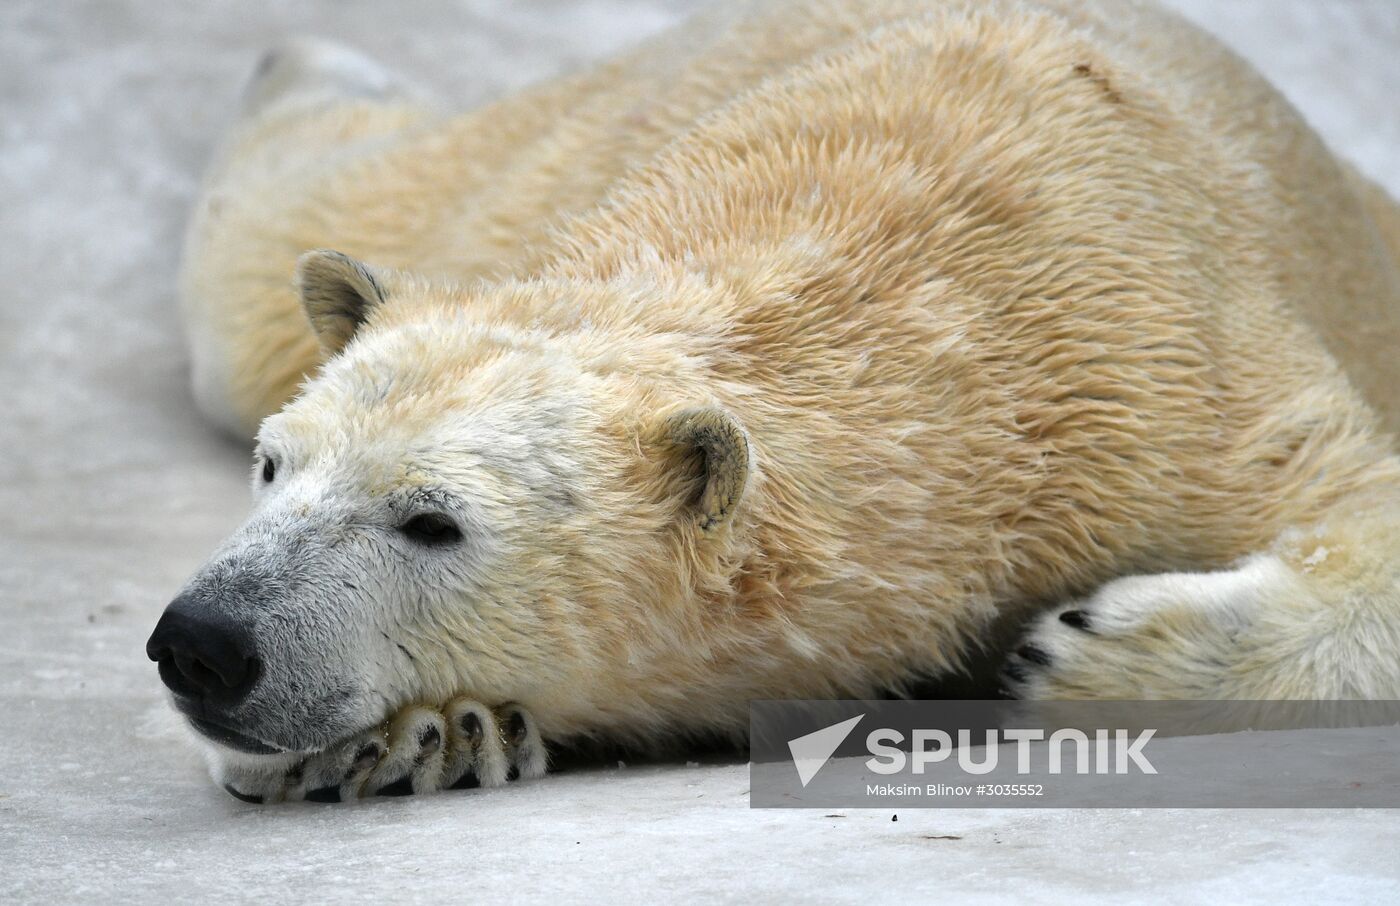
{"x":419,"y":750}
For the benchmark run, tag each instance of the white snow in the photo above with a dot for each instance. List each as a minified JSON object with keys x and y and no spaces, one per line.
{"x":111,"y":491}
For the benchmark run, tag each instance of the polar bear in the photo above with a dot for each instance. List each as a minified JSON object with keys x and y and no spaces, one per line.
{"x":813,"y":350}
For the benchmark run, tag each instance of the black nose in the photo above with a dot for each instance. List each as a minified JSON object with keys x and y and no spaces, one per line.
{"x":203,"y":653}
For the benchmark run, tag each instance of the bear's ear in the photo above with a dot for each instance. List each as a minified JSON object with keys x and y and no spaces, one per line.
{"x":337,"y":293}
{"x":724,"y":456}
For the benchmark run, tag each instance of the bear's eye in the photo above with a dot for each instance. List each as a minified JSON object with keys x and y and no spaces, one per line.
{"x":431,"y":528}
{"x":269,"y":470}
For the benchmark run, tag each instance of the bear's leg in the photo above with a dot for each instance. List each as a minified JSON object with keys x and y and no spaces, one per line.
{"x":311,"y":69}
{"x":1315,"y":617}
{"x":308,"y":105}
{"x":308,"y":98}
{"x":419,"y":750}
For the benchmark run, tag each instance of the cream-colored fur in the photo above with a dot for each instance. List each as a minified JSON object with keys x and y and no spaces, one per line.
{"x":790,"y":354}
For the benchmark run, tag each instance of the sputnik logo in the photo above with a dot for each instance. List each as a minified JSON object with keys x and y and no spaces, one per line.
{"x":811,"y":752}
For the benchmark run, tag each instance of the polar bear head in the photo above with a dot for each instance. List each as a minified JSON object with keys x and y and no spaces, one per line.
{"x":457,"y":502}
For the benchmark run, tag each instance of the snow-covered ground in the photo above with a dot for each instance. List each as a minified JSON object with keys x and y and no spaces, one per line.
{"x":111,"y":491}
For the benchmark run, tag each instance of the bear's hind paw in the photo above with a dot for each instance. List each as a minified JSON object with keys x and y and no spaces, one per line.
{"x":1166,"y":636}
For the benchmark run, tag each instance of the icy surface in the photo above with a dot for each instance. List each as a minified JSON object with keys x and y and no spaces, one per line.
{"x":111,"y":491}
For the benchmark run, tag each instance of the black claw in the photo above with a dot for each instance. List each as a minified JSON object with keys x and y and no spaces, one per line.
{"x":1034,"y":655}
{"x":471,"y":727}
{"x":246,"y":797}
{"x":513,"y":774}
{"x":265,"y":64}
{"x":365,"y":758}
{"x":429,"y":741}
{"x":324,"y":794}
{"x":515,"y":729}
{"x":401,"y":787}
{"x":1079,"y":619}
{"x":1014,"y":672}
{"x":468,"y":781}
